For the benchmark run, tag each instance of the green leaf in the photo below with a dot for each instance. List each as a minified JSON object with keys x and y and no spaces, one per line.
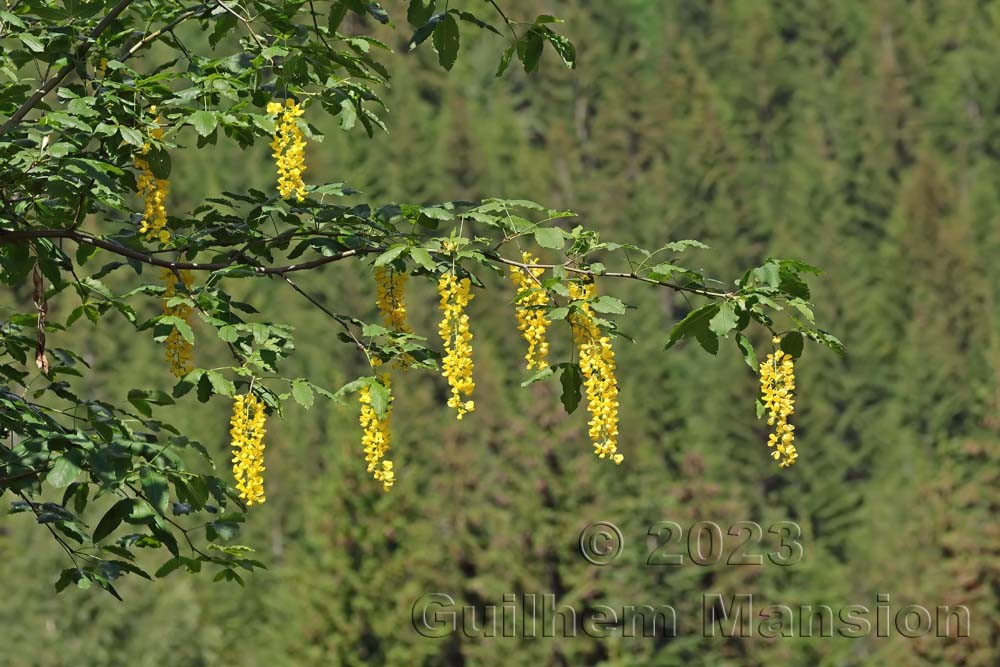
{"x":159,"y":163}
{"x":419,"y":12}
{"x":63,"y":473}
{"x":204,"y":389}
{"x":181,"y":325}
{"x":529,"y":50}
{"x":708,"y":340}
{"x":749,"y":354}
{"x":154,"y":487}
{"x":303,"y":393}
{"x":724,"y":321}
{"x":112,"y":519}
{"x":380,"y":397}
{"x":562,"y":46}
{"x":608,"y":304}
{"x":31,"y":42}
{"x":825,"y":338}
{"x":422,"y":257}
{"x":228,"y":333}
{"x":169,"y":567}
{"x":694,"y":325}
{"x":391,"y":254}
{"x":204,"y":122}
{"x":768,"y":274}
{"x":550,"y":237}
{"x":546,"y":372}
{"x":571,"y":381}
{"x":131,"y":136}
{"x":220,"y":385}
{"x":792,"y":343}
{"x":425,"y":31}
{"x":680,"y":246}
{"x":505,"y":59}
{"x":446,"y":41}
{"x":187,"y":383}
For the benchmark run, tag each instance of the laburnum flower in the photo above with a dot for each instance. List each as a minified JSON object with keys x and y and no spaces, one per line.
{"x":376,"y":436}
{"x":777,"y":387}
{"x":179,"y":350}
{"x":247,"y":435}
{"x":597,"y":364}
{"x":390,"y":297}
{"x":457,"y":365}
{"x":153,"y":191}
{"x":529,"y":310}
{"x":289,"y":148}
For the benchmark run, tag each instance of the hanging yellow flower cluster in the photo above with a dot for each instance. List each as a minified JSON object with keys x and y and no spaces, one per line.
{"x":531,"y":319}
{"x":377,"y":436}
{"x":247,"y":435}
{"x":179,"y":350}
{"x":597,"y":364}
{"x":777,"y":386}
{"x":390,"y":297}
{"x":153,"y":191}
{"x":289,"y":148}
{"x":457,"y":366}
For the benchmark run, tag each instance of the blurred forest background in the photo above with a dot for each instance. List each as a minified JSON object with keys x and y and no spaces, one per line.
{"x":861,"y":136}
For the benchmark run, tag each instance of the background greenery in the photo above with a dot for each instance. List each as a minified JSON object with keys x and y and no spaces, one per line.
{"x":859,"y":136}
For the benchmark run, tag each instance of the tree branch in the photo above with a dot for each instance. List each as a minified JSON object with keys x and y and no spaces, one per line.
{"x":151,"y":37}
{"x":12,"y":236}
{"x":618,"y":274}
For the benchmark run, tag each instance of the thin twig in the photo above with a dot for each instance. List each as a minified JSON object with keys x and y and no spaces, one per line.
{"x":180,"y":18}
{"x":618,"y":274}
{"x":242,"y":20}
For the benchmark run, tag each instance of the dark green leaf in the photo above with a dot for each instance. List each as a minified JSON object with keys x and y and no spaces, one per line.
{"x":571,"y":381}
{"x":446,"y":41}
{"x":792,"y":343}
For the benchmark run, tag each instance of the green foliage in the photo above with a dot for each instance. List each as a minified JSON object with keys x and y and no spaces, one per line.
{"x":126,"y":83}
{"x":854,"y":135}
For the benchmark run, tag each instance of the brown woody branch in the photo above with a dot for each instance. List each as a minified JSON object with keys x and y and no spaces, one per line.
{"x":14,"y":236}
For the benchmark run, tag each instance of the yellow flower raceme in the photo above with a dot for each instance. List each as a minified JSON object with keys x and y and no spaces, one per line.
{"x":454,"y":330}
{"x":289,"y":148}
{"x":531,"y":319}
{"x":377,"y":436}
{"x":777,"y":386}
{"x":390,"y":287}
{"x":247,"y":435}
{"x":153,"y":191}
{"x":390,"y":297}
{"x":179,"y":350}
{"x":597,"y":364}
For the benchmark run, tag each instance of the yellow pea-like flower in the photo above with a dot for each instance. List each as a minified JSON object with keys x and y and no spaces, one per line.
{"x":247,"y":436}
{"x":454,"y":329}
{"x":377,"y":436}
{"x":531,"y":319}
{"x":179,"y":350}
{"x":597,"y":364}
{"x":777,"y":387}
{"x":289,"y":146}
{"x":153,"y":191}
